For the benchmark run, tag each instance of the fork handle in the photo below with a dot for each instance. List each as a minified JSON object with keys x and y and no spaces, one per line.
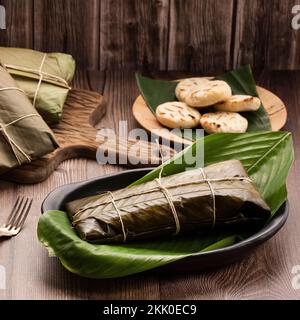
{"x":7,"y":234}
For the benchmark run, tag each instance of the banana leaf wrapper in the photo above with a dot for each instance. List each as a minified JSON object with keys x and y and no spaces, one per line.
{"x":53,"y":92}
{"x":146,"y":213}
{"x":32,"y":135}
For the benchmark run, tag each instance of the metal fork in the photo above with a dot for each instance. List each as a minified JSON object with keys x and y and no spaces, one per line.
{"x":16,"y":218}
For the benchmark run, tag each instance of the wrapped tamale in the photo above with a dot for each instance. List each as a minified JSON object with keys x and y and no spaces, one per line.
{"x":45,"y":77}
{"x":220,"y":196}
{"x":24,"y":135}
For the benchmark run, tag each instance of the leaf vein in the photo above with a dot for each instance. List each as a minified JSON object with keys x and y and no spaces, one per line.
{"x":269,"y":151}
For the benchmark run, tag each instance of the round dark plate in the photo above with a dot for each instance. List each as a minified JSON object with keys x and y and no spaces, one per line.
{"x":202,"y":261}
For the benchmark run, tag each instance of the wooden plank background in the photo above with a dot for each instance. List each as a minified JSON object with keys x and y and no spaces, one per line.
{"x":189,"y":35}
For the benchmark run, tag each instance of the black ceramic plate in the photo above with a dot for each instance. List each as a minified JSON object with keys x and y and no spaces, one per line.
{"x":203,"y":261}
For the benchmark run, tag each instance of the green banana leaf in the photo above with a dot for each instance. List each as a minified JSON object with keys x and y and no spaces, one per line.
{"x":241,"y":81}
{"x":259,"y":152}
{"x":267,"y":156}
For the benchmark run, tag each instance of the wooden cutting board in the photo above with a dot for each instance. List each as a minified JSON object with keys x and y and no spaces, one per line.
{"x":144,"y":116}
{"x":76,"y":135}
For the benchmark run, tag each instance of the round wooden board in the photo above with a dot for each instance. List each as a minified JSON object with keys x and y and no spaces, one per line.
{"x":273,"y":104}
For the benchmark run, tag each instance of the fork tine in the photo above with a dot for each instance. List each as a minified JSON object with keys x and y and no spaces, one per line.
{"x":25,"y":214}
{"x":19,"y":213}
{"x":12,"y":213}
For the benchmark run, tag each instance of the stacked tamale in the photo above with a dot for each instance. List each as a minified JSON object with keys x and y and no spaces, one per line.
{"x":220,"y":196}
{"x":24,"y":135}
{"x":33,"y":89}
{"x":44,"y":77}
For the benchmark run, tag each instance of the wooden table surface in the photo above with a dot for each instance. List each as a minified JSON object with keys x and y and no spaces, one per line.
{"x":266,"y":273}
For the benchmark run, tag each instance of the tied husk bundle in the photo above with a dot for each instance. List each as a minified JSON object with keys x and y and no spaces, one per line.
{"x":45,"y":78}
{"x":220,"y":196}
{"x":24,"y":135}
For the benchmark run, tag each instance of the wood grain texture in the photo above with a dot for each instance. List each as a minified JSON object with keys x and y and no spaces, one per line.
{"x":200,"y":35}
{"x":31,"y":274}
{"x":19,"y":24}
{"x":264,"y":36}
{"x":134,"y":34}
{"x":70,"y":26}
{"x":190,"y":35}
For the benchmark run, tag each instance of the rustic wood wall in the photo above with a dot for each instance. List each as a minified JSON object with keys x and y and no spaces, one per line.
{"x":192,"y":35}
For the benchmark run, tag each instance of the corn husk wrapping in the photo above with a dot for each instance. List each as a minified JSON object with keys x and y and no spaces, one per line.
{"x":53,"y":92}
{"x":31,"y":134}
{"x":148,"y":215}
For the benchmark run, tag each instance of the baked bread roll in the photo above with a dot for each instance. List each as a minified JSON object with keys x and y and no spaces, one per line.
{"x":239,"y":103}
{"x":208,"y":93}
{"x":177,"y":115}
{"x":224,"y":122}
{"x":185,"y":86}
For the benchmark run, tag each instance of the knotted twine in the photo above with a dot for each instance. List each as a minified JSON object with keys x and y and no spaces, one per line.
{"x":12,"y":88}
{"x":14,"y":146}
{"x":166,"y":192}
{"x":213,"y":196}
{"x":41,"y":74}
{"x":119,"y":214}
